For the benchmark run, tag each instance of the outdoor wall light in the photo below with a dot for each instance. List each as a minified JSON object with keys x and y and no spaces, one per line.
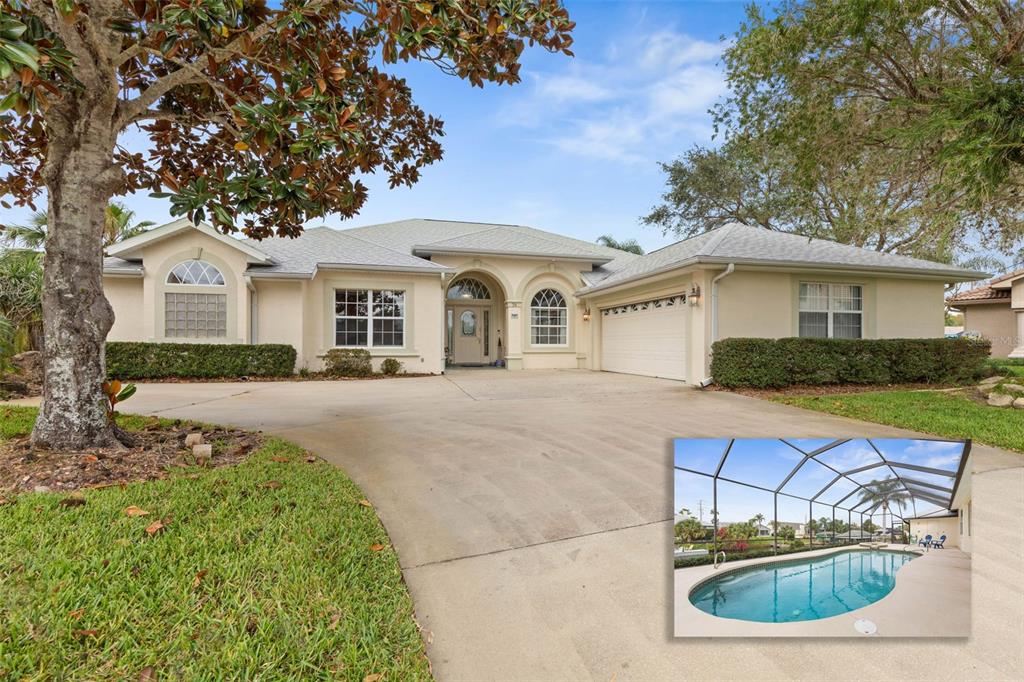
{"x":694,"y":295}
{"x":586,"y":315}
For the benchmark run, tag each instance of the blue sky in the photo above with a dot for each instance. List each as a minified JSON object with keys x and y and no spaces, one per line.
{"x":574,"y":147}
{"x":766,"y":462}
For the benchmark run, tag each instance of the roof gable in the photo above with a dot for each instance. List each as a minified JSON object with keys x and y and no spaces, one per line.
{"x":131,"y":249}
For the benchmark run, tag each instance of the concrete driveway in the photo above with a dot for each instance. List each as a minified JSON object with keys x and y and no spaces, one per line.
{"x":532,"y":513}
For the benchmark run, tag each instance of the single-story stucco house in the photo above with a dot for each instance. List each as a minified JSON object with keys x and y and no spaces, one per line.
{"x":995,"y":311}
{"x":433,"y":293}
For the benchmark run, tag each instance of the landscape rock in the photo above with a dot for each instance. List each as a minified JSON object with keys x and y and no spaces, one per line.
{"x":193,"y":439}
{"x":991,"y":381}
{"x":1019,"y":403}
{"x":1000,"y":400}
{"x":41,"y":489}
{"x":202,"y":451}
{"x":1013,"y":388}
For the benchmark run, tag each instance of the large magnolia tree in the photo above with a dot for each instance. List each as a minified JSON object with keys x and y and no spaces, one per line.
{"x":258,"y":118}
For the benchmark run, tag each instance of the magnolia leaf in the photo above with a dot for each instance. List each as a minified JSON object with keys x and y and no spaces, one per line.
{"x":376,"y":547}
{"x":155,"y":527}
{"x":132,"y":510}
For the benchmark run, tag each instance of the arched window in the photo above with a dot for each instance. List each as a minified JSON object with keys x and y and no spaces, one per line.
{"x":549,"y":319}
{"x":195,"y":272}
{"x":195,"y":314}
{"x":469,"y":288}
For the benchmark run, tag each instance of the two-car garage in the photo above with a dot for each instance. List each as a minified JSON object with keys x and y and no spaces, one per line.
{"x":647,"y":338}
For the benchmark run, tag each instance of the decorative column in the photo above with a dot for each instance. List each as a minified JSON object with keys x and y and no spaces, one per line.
{"x":514,"y":334}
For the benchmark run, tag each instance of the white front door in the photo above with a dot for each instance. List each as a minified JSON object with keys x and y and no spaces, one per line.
{"x":467,"y":335}
{"x":648,"y":338}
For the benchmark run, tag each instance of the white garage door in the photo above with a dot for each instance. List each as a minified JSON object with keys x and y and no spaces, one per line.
{"x":648,"y":338}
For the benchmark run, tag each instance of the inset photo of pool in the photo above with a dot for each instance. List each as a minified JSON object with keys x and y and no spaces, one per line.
{"x":822,"y":537}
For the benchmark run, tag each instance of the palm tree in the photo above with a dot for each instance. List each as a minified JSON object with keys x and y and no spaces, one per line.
{"x":757,"y":520}
{"x":21,"y":293}
{"x":119,"y":225}
{"x":888,"y":493}
{"x":629,"y":245}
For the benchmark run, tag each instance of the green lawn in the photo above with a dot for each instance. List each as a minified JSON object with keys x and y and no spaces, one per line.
{"x":948,"y":415}
{"x":246,"y":580}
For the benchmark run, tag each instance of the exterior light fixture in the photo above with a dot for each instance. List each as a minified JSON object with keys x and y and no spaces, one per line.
{"x":586,"y":315}
{"x":694,"y":295}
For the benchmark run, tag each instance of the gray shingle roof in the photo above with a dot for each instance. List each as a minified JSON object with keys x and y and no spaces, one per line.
{"x":113,"y":264}
{"x":323,"y":247}
{"x":425,"y":237}
{"x":737,"y":243}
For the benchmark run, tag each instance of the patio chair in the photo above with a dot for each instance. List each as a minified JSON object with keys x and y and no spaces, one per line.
{"x":925,"y":542}
{"x":937,"y":544}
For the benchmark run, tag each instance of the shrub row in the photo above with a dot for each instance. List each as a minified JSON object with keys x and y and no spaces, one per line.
{"x":777,"y":363}
{"x":356,"y":362}
{"x":686,"y":562}
{"x":138,"y":360}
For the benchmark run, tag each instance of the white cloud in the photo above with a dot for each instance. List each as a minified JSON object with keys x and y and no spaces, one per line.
{"x":647,"y":101}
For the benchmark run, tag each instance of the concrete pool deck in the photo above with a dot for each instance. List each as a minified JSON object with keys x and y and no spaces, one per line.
{"x":932,"y":598}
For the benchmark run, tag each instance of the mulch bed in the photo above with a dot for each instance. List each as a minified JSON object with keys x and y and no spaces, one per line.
{"x":834,"y":389}
{"x":156,"y":452}
{"x":312,"y":376}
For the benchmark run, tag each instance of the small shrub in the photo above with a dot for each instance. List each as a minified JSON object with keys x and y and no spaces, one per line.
{"x":777,"y":363}
{"x":140,"y":360}
{"x":304,"y":372}
{"x":390,"y":366}
{"x":796,"y":544}
{"x":348,"y":362}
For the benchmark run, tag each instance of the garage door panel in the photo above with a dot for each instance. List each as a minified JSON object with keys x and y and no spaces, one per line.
{"x":649,"y":339}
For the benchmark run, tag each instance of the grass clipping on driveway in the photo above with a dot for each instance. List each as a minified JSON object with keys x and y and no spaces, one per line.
{"x":945,"y":414}
{"x":275,"y":568}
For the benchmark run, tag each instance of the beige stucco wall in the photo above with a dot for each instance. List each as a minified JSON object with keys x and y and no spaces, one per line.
{"x":766,"y":304}
{"x":125,"y":296}
{"x":279,"y":313}
{"x":937,"y":527}
{"x":909,"y":308}
{"x":424,"y":314}
{"x":995,"y":322}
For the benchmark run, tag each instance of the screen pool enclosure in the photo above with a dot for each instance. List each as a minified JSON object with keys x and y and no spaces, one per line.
{"x":783,"y":481}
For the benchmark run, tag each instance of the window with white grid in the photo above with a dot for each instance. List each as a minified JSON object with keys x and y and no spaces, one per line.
{"x":369,"y":318}
{"x":195,"y":316}
{"x":549,"y":319}
{"x":831,"y":311}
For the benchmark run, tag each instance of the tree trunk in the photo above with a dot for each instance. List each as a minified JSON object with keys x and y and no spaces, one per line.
{"x":80,"y":176}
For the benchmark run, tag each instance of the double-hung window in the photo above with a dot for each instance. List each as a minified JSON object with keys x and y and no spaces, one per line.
{"x":369,"y":318}
{"x":831,"y":311}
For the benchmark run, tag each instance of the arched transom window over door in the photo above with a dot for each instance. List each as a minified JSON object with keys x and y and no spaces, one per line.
{"x":468,"y":288}
{"x":549,"y":319}
{"x":191,"y":310}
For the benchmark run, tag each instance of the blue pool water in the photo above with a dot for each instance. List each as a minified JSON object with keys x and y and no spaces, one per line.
{"x":802,"y":590}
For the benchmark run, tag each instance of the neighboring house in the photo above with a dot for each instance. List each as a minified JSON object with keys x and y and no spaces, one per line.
{"x":799,"y":527}
{"x":433,"y":293}
{"x":995,"y":311}
{"x":763,"y":531}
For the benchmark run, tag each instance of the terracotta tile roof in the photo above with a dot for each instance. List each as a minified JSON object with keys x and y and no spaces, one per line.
{"x":982,"y":293}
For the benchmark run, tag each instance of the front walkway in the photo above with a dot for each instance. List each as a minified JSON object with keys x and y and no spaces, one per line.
{"x":532,"y":514}
{"x":931,"y":598}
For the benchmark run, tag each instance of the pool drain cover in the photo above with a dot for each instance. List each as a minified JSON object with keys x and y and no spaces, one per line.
{"x":865,"y":627}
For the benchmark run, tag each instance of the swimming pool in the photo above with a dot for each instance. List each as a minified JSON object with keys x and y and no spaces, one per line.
{"x":806,"y":589}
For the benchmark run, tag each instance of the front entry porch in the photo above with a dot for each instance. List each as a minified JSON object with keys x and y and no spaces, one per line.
{"x":474,"y":322}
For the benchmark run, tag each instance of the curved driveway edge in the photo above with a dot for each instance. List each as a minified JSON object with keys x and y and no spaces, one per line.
{"x":531,"y":512}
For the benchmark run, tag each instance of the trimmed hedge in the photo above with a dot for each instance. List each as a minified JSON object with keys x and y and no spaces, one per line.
{"x":777,"y":363}
{"x":137,"y":360}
